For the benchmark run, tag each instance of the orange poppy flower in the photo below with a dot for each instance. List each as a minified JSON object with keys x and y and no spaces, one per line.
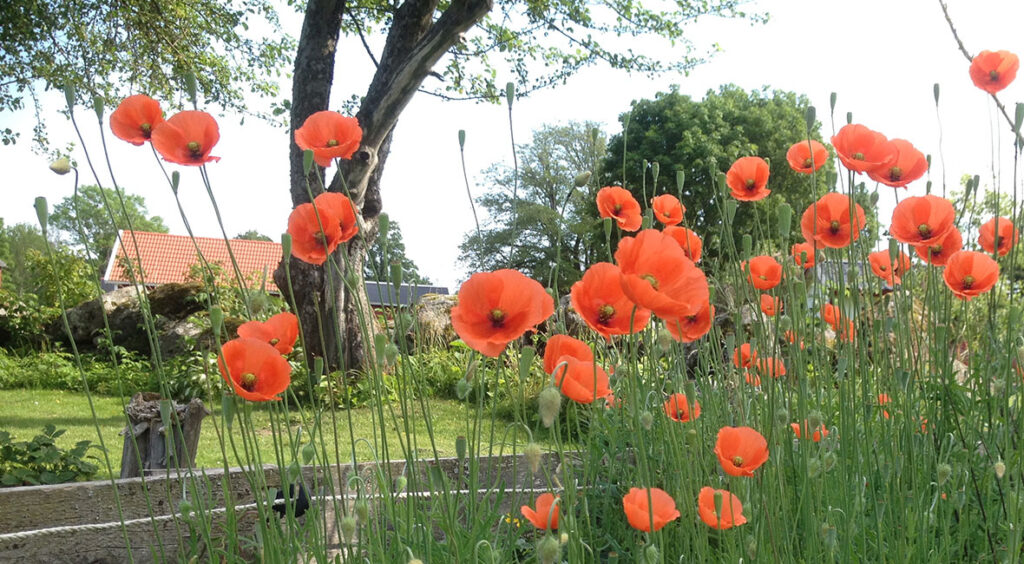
{"x":908,"y":166}
{"x":689,"y":328}
{"x":831,"y":314}
{"x":994,"y":70}
{"x":827,"y":221}
{"x":255,"y":370}
{"x":747,"y":179}
{"x":744,"y":356}
{"x":581,"y":381}
{"x":731,"y":514}
{"x":598,"y":298}
{"x":546,"y":509}
{"x":641,"y":512}
{"x":564,"y":345}
{"x":845,"y":330}
{"x":678,"y":408}
{"x":330,"y":136}
{"x":970,"y":273}
{"x":752,"y":379}
{"x":884,"y":268}
{"x":922,"y":220}
{"x":861,"y":149}
{"x":803,"y":254}
{"x":496,"y":308}
{"x":315,"y":233}
{"x":281,"y":331}
{"x":656,"y":275}
{"x":688,"y":240}
{"x":770,"y":366}
{"x":770,"y":306}
{"x":939,"y":252}
{"x":791,"y":338}
{"x":1004,"y":240}
{"x":667,"y":209}
{"x":617,"y":203}
{"x":186,"y":138}
{"x":135,"y":117}
{"x":765,"y":272}
{"x":816,"y":436}
{"x":884,"y":399}
{"x":740,"y":450}
{"x":342,"y":208}
{"x":806,"y":159}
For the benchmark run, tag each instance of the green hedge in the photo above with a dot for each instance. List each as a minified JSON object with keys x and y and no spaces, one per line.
{"x":57,"y":371}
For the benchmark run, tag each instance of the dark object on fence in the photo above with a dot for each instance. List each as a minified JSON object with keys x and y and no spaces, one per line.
{"x":300,"y":502}
{"x":162,"y":445}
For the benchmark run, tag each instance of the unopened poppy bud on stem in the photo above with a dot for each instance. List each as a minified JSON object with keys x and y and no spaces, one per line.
{"x":646,"y":420}
{"x":942,"y":473}
{"x":1000,"y":469}
{"x":548,"y":550}
{"x":651,"y":554}
{"x":549,"y":403}
{"x":348,"y":527}
{"x":61,"y":166}
{"x":532,"y":453}
{"x":582,"y":179}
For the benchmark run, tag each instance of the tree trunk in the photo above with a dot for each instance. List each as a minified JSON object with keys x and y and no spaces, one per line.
{"x":334,"y":309}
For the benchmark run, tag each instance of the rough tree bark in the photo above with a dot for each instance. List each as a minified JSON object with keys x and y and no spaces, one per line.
{"x":415,"y":43}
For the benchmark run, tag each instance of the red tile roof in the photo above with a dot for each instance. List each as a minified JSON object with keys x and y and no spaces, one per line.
{"x":169,"y":258}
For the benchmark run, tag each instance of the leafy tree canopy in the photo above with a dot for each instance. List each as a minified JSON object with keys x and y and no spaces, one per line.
{"x":252,"y":235}
{"x":16,"y":243}
{"x":85,"y":221}
{"x":702,"y":138}
{"x":379,"y":260}
{"x":111,"y":49}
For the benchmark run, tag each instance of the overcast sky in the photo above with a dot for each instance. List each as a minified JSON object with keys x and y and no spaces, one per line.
{"x":881,"y":57}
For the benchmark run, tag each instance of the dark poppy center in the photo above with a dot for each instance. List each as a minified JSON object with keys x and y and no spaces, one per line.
{"x":935,"y":249}
{"x":808,"y":163}
{"x":924,"y":229}
{"x":617,"y":208}
{"x":691,"y":318}
{"x":195,"y":149}
{"x":497,"y":318}
{"x":834,"y":226}
{"x":320,"y":237}
{"x":997,"y":241}
{"x":993,"y":76}
{"x":650,"y":278}
{"x":332,"y":142}
{"x":275,"y":341}
{"x":146,"y":128}
{"x":858,"y":156}
{"x":968,"y":281}
{"x":737,"y":461}
{"x":750,"y":184}
{"x":605,"y":313}
{"x":247,"y":381}
{"x":895,"y":173}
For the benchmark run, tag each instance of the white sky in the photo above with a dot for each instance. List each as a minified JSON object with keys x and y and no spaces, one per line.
{"x":881,"y":57}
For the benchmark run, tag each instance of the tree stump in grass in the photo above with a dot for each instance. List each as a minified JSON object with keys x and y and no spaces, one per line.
{"x":165,"y":433}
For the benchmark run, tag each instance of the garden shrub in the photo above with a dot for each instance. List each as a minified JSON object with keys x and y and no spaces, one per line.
{"x":40,"y":461}
{"x":56,"y":370}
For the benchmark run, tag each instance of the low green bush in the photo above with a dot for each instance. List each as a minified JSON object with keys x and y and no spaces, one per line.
{"x":57,"y":370}
{"x":40,"y":461}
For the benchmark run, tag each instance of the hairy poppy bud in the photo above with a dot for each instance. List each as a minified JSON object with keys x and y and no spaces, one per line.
{"x":813,"y":468}
{"x":548,"y":550}
{"x":61,"y":166}
{"x":830,"y":459}
{"x":664,"y":341}
{"x":532,"y":453}
{"x":462,"y":389}
{"x":942,"y":473}
{"x":751,"y":546}
{"x":549,"y":403}
{"x":646,"y":420}
{"x":348,"y":527}
{"x":651,"y":554}
{"x":1000,"y":468}
{"x":460,"y":446}
{"x":185,"y":507}
{"x":691,"y":437}
{"x":400,"y":483}
{"x":308,"y":452}
{"x":814,"y":419}
{"x":582,"y":179}
{"x":781,"y":416}
{"x":828,"y":534}
{"x":415,"y":561}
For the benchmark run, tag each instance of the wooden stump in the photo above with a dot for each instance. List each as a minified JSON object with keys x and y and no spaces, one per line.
{"x":162,"y":445}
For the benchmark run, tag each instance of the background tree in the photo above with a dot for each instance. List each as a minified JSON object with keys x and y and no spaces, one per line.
{"x":378,"y":263}
{"x":89,"y":211}
{"x":703,"y":138}
{"x":547,"y":222}
{"x":252,"y":235}
{"x":112,"y":49}
{"x":17,"y":242}
{"x":562,"y":37}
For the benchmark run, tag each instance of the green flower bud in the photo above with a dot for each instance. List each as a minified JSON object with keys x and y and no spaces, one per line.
{"x":462,"y":389}
{"x":1000,"y":469}
{"x":548,"y":550}
{"x":308,"y":453}
{"x":400,"y":483}
{"x":348,"y":527}
{"x":651,"y":554}
{"x":942,"y":473}
{"x":362,"y":511}
{"x":781,"y":416}
{"x":582,"y":179}
{"x":815,"y":419}
{"x":751,"y":546}
{"x":813,"y":468}
{"x":830,"y":460}
{"x":646,"y":420}
{"x":61,"y":166}
{"x":532,"y":453}
{"x":549,"y":403}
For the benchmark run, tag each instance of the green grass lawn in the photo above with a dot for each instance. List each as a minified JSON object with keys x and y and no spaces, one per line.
{"x":25,"y":412}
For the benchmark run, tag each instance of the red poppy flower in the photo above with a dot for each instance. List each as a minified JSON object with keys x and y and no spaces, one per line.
{"x":752,"y":379}
{"x":342,"y":208}
{"x":747,"y":179}
{"x":827,"y":221}
{"x":882,"y":265}
{"x":806,"y":158}
{"x":598,"y":298}
{"x":186,"y":138}
{"x":641,"y":512}
{"x":546,"y":509}
{"x":656,"y":275}
{"x":939,"y":252}
{"x":770,"y":306}
{"x":564,"y":345}
{"x":861,"y":149}
{"x":280,"y":331}
{"x":731,"y":514}
{"x":580,"y":380}
{"x":845,"y":330}
{"x":803,"y":254}
{"x":330,"y":136}
{"x":667,"y":209}
{"x":770,"y":366}
{"x":765,"y":272}
{"x":617,"y":203}
{"x":740,"y":450}
{"x":922,"y":220}
{"x":908,"y":166}
{"x":994,"y":70}
{"x":1004,"y":240}
{"x":791,"y":338}
{"x":135,"y":117}
{"x":678,"y":408}
{"x":831,"y":314}
{"x":688,"y":240}
{"x":689,"y":328}
{"x":496,"y":308}
{"x":970,"y":273}
{"x":744,"y":356}
{"x":255,"y":370}
{"x":816,"y":436}
{"x":884,"y":399}
{"x":315,"y":233}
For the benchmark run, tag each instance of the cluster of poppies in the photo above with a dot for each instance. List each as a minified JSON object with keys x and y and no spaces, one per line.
{"x":186,"y":138}
{"x":254,"y":364}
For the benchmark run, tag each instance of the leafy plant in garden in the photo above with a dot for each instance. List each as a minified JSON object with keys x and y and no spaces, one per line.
{"x":40,"y":461}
